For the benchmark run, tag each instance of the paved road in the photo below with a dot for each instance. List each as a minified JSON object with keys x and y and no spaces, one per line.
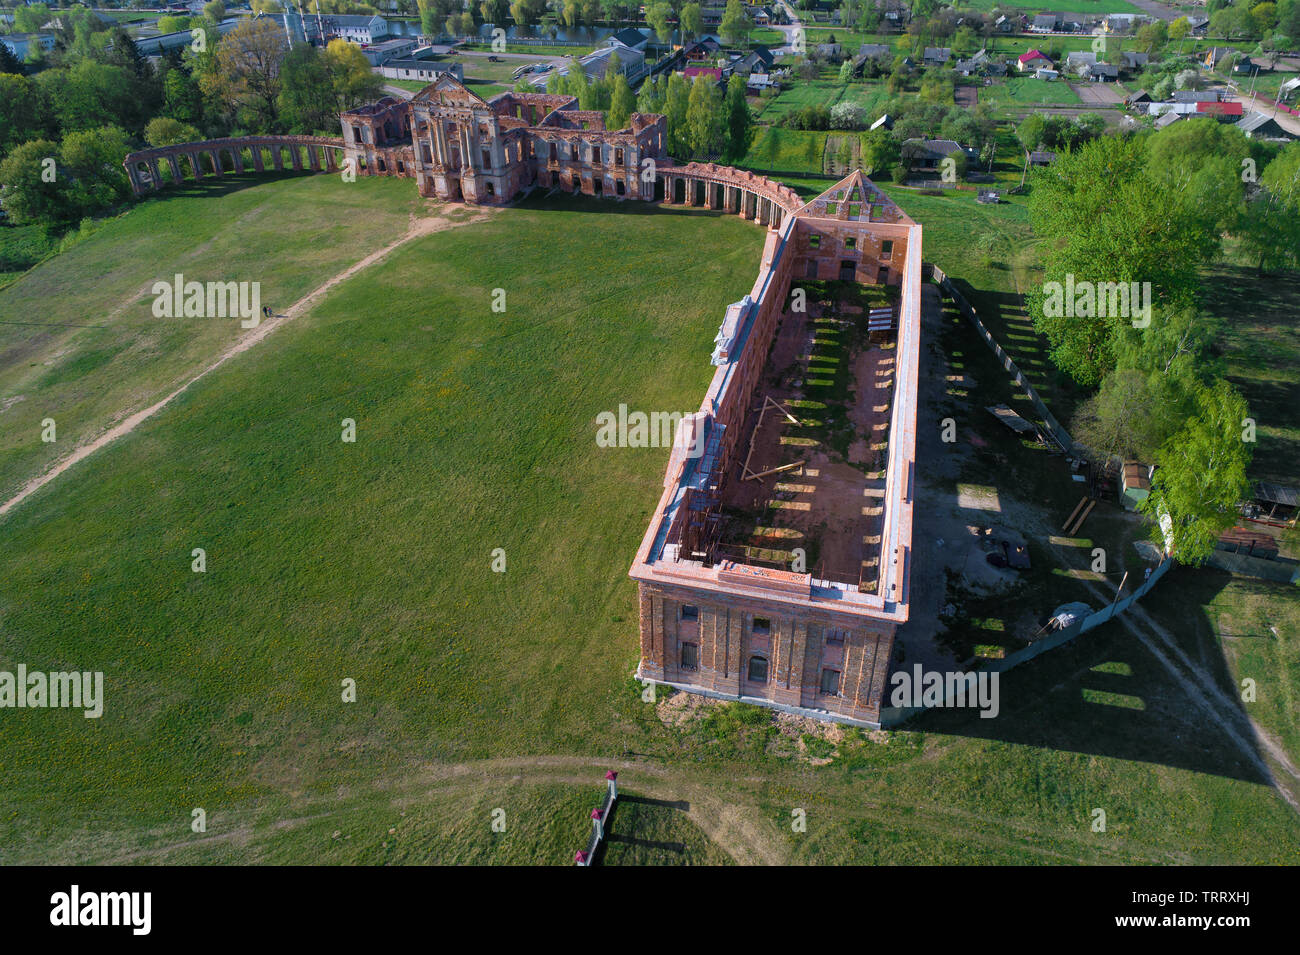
{"x":787,"y":29}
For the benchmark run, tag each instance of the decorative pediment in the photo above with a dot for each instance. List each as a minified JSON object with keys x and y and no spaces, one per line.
{"x":446,"y":90}
{"x":855,"y":198}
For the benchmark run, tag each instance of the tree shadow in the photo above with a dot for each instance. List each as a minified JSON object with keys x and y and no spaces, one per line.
{"x":211,"y":186}
{"x":1105,"y":693}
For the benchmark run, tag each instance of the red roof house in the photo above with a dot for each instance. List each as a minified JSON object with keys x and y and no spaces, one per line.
{"x":1033,"y":60}
{"x":1229,"y":109}
{"x":693,"y":71}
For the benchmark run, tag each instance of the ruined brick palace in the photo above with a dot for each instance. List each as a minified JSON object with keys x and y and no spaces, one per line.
{"x":718,"y":615}
{"x":460,"y":147}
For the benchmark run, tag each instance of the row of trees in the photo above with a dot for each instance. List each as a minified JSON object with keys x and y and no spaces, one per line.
{"x":99,"y":91}
{"x":457,"y":18}
{"x":1155,"y":208}
{"x":704,"y":122}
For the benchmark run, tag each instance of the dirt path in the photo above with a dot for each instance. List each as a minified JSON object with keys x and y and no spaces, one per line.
{"x":418,"y":228}
{"x":734,"y":827}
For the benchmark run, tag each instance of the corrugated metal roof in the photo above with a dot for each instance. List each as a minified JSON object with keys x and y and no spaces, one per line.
{"x":1277,"y":494}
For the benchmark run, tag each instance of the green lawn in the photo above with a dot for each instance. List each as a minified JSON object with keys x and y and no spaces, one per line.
{"x":787,"y":150}
{"x":824,"y":92}
{"x":21,"y":247}
{"x":479,"y":691}
{"x":1027,"y":91}
{"x":85,"y":343}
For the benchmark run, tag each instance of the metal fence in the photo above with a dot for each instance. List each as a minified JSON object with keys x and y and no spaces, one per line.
{"x":893,"y":715}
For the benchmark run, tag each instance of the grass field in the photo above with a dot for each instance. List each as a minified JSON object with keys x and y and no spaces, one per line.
{"x":824,"y":92}
{"x":1027,"y":91}
{"x":476,"y":690}
{"x":789,"y":150}
{"x":84,"y":343}
{"x":21,"y":247}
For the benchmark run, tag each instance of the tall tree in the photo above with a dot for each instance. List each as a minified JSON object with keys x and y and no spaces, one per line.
{"x":657,"y":14}
{"x":735,"y":22}
{"x":706,"y":130}
{"x":676,"y":103}
{"x":621,"y":103}
{"x":1107,"y":222}
{"x":740,"y":121}
{"x":23,"y":113}
{"x":1270,"y":227}
{"x":692,"y":20}
{"x":1201,"y":475}
{"x":247,"y":74}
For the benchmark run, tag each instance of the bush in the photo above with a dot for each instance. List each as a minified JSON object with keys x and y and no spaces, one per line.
{"x":810,"y":117}
{"x":848,"y":116}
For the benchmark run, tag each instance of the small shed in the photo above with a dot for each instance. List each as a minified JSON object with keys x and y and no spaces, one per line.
{"x":1274,"y":503}
{"x":1135,"y":484}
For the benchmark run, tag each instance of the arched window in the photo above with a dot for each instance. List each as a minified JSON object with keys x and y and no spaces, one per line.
{"x":757,"y":669}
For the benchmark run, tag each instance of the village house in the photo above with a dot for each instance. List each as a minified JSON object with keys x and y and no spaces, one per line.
{"x":596,"y":64}
{"x":1032,"y":61}
{"x":927,"y":155}
{"x":630,"y":38}
{"x":379,"y":53}
{"x":936,"y":55}
{"x":421,"y":70}
{"x":21,"y":45}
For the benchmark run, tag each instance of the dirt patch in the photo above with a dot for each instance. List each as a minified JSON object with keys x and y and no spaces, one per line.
{"x":805,"y":739}
{"x":678,"y":709}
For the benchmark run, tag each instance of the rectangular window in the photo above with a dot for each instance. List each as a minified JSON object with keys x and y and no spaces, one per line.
{"x":830,"y":682}
{"x":690,"y":613}
{"x":690,"y":656}
{"x":850,"y":243}
{"x":814,"y":242}
{"x":762,"y":625}
{"x":834,"y":638}
{"x":887,"y":248}
{"x":757,"y":669}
